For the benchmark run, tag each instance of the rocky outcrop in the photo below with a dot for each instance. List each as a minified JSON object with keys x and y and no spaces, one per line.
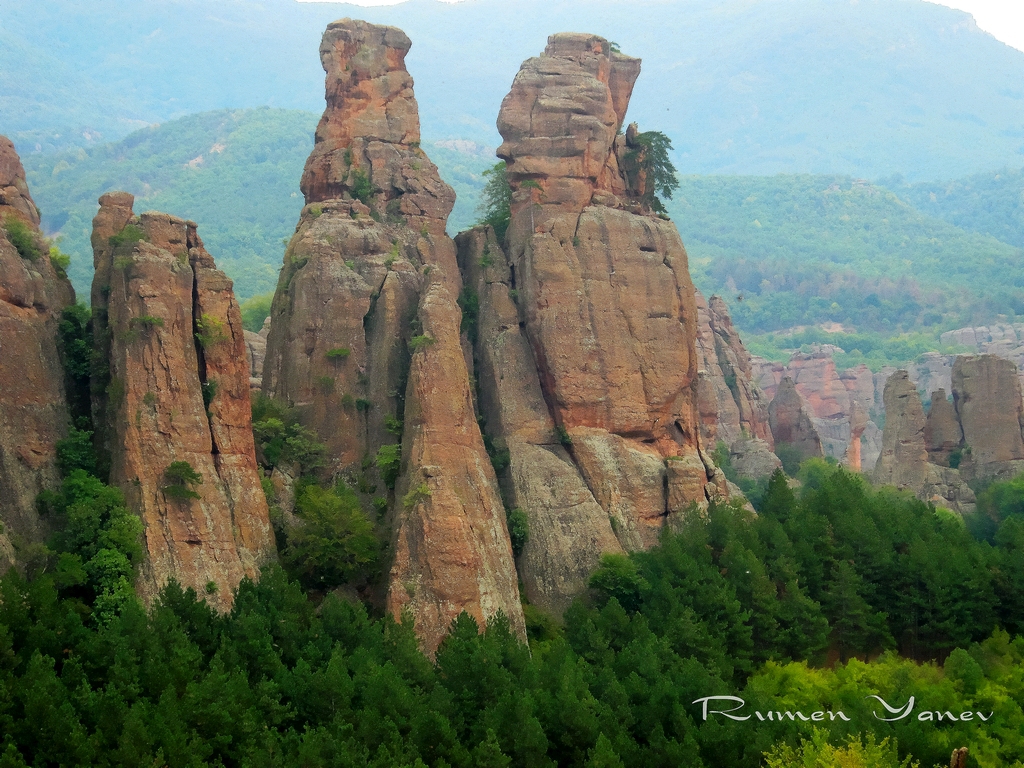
{"x":791,"y":424}
{"x":33,"y":408}
{"x":365,"y":336}
{"x":15,"y":198}
{"x":256,"y":353}
{"x":732,"y":406}
{"x":603,"y":291}
{"x":987,"y":398}
{"x":167,"y":323}
{"x":903,"y":461}
{"x":942,"y":432}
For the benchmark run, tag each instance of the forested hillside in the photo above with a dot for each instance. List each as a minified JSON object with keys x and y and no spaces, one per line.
{"x":867,"y":89}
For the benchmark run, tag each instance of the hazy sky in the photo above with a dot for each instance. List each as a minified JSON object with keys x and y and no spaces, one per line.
{"x":1004,"y":19}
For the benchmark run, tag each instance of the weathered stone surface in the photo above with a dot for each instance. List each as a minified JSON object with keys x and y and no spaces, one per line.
{"x":365,"y":332}
{"x":15,"y":198}
{"x":731,"y":404}
{"x":752,"y":458}
{"x":33,"y":409}
{"x":157,"y":294}
{"x":987,"y":397}
{"x":942,"y":433}
{"x":542,"y":479}
{"x":453,"y":551}
{"x":256,"y":353}
{"x":604,"y":293}
{"x":791,"y":423}
{"x":903,"y":461}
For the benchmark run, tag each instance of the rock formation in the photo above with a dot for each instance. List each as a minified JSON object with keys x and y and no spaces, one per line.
{"x":987,"y":397}
{"x":904,"y":462}
{"x":603,"y":292}
{"x":256,"y":353}
{"x":942,"y":432}
{"x":733,"y":409}
{"x":791,"y":423}
{"x":167,"y":323}
{"x":365,"y":336}
{"x":33,"y":408}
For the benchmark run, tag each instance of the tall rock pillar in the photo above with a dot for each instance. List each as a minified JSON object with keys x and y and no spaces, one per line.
{"x":176,"y":393}
{"x":365,"y":337}
{"x":33,"y":408}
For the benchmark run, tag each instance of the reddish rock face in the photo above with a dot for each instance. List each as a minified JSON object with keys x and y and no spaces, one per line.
{"x":791,"y":423}
{"x":603,"y":290}
{"x":987,"y":397}
{"x":365,"y":331}
{"x":942,"y":432}
{"x":33,"y":409}
{"x":14,"y":195}
{"x":903,"y":461}
{"x":542,"y":479}
{"x":173,"y":331}
{"x":732,"y":405}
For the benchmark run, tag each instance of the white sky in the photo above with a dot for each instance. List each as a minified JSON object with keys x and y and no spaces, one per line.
{"x":1004,"y":19}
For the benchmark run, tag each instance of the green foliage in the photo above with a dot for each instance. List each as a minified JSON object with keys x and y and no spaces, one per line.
{"x":97,"y":543}
{"x":416,"y":495}
{"x":60,"y":260}
{"x":334,"y":542}
{"x":75,"y":339}
{"x":255,"y":311}
{"x":618,"y":578}
{"x":416,"y":343}
{"x":209,"y":388}
{"x":75,"y":452}
{"x":651,"y":157}
{"x":280,"y":438}
{"x":22,"y":238}
{"x":362,"y":187}
{"x":518,"y":530}
{"x":181,"y":477}
{"x":469,"y":303}
{"x":563,"y":435}
{"x":128,"y":236}
{"x":495,"y":206}
{"x":817,"y":752}
{"x":723,"y":460}
{"x":338,"y":353}
{"x":394,"y":426}
{"x":146,"y":322}
{"x":389,"y":462}
{"x":210,"y":331}
{"x":809,"y":250}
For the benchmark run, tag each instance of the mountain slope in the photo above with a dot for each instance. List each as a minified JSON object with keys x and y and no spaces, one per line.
{"x":867,"y":89}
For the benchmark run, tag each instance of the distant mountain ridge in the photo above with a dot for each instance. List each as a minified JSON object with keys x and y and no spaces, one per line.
{"x":867,"y":89}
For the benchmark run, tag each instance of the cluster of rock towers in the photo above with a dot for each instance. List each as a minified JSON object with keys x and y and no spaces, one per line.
{"x":569,"y":370}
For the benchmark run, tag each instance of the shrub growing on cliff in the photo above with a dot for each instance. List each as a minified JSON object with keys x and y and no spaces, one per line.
{"x":22,"y":238}
{"x":210,"y":330}
{"x":649,"y":153}
{"x":181,"y":477}
{"x":130,"y":235}
{"x":389,"y":462}
{"x":495,"y":206}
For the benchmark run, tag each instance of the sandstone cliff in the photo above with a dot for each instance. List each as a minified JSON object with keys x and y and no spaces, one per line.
{"x":791,"y":422}
{"x":176,"y":393}
{"x":33,"y":408}
{"x":603,"y":323}
{"x":733,"y":409}
{"x":904,"y":460}
{"x":365,"y":336}
{"x":987,"y":398}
